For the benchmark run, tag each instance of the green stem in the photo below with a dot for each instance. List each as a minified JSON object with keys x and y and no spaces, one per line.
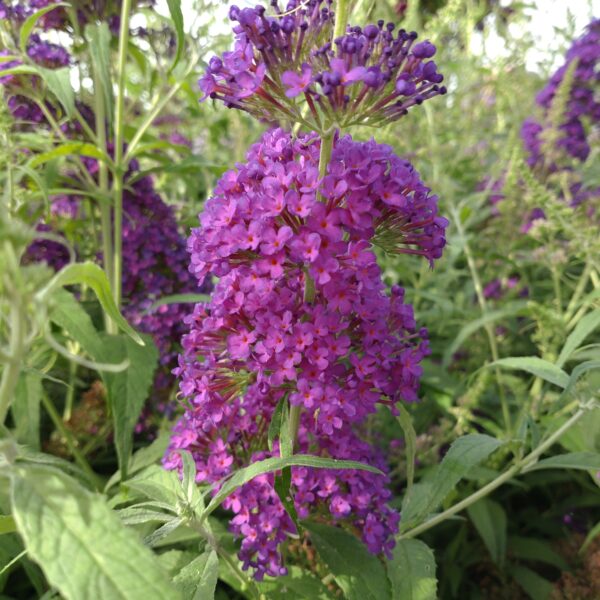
{"x":120,"y":165}
{"x":70,"y":398}
{"x":12,"y":368}
{"x":520,"y":467}
{"x":105,"y":212}
{"x":158,"y":107}
{"x":579,"y":289}
{"x":342,"y":11}
{"x":484,"y":310}
{"x":71,"y":444}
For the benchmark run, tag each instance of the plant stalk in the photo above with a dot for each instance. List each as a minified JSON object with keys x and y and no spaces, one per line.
{"x":12,"y":368}
{"x":120,"y":166}
{"x":66,"y":434}
{"x":105,"y":209}
{"x":488,"y":326}
{"x":519,"y":467}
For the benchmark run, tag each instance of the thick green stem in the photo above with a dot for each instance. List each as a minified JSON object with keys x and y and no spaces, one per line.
{"x":484,"y":310}
{"x":520,"y":467}
{"x":105,"y":212}
{"x":120,"y":166}
{"x":66,"y":434}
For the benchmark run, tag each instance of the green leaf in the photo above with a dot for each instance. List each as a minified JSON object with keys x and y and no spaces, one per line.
{"x":464,"y":454}
{"x":70,"y":315}
{"x":239,"y":478}
{"x":177,"y":18}
{"x":59,"y":83}
{"x":298,"y":584}
{"x":92,"y":275}
{"x":510,"y":310}
{"x":410,"y":439}
{"x":489,"y":519}
{"x":143,"y":458}
{"x":198,"y":579}
{"x":536,"y":550}
{"x":159,"y":484}
{"x":590,"y":537}
{"x":276,"y":421}
{"x":359,"y":574}
{"x":536,"y":366}
{"x":585,"y":461}
{"x":178,"y":299}
{"x":30,"y":23}
{"x":577,"y":373}
{"x":412,"y":571}
{"x":535,"y":585}
{"x":98,"y":37}
{"x":26,"y":409}
{"x":583,"y":328}
{"x":68,"y":149}
{"x":128,"y":390}
{"x":7,"y":524}
{"x":82,"y":547}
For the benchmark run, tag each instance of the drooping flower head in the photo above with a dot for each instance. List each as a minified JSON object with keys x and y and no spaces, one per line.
{"x":367,"y":76}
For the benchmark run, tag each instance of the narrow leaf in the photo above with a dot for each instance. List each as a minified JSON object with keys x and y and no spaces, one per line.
{"x":359,"y":574}
{"x":410,"y":440}
{"x":536,"y":366}
{"x":535,"y":585}
{"x":177,"y":18}
{"x":468,"y":330}
{"x":464,"y":454}
{"x":583,"y":328}
{"x":585,"y":461}
{"x":412,"y":571}
{"x":82,"y":547}
{"x":92,"y":275}
{"x":536,"y":550}
{"x":98,"y":37}
{"x":31,"y":21}
{"x":269,"y":465}
{"x":489,"y":519}
{"x":67,"y":149}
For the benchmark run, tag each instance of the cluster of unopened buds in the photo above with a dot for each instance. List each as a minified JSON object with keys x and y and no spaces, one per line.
{"x":300,"y":316}
{"x":286,"y":67}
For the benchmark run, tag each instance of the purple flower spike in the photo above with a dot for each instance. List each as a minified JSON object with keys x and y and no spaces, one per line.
{"x":271,"y":232}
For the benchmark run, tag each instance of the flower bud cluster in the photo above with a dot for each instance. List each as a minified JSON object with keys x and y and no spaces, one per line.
{"x":368,"y":76}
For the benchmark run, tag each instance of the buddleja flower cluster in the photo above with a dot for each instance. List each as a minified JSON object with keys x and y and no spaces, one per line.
{"x":155,"y":259}
{"x":559,"y":140}
{"x":300,"y":314}
{"x":369,"y":75}
{"x":582,"y":109}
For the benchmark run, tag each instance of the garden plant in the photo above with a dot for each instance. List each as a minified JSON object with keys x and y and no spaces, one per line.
{"x":304,"y":306}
